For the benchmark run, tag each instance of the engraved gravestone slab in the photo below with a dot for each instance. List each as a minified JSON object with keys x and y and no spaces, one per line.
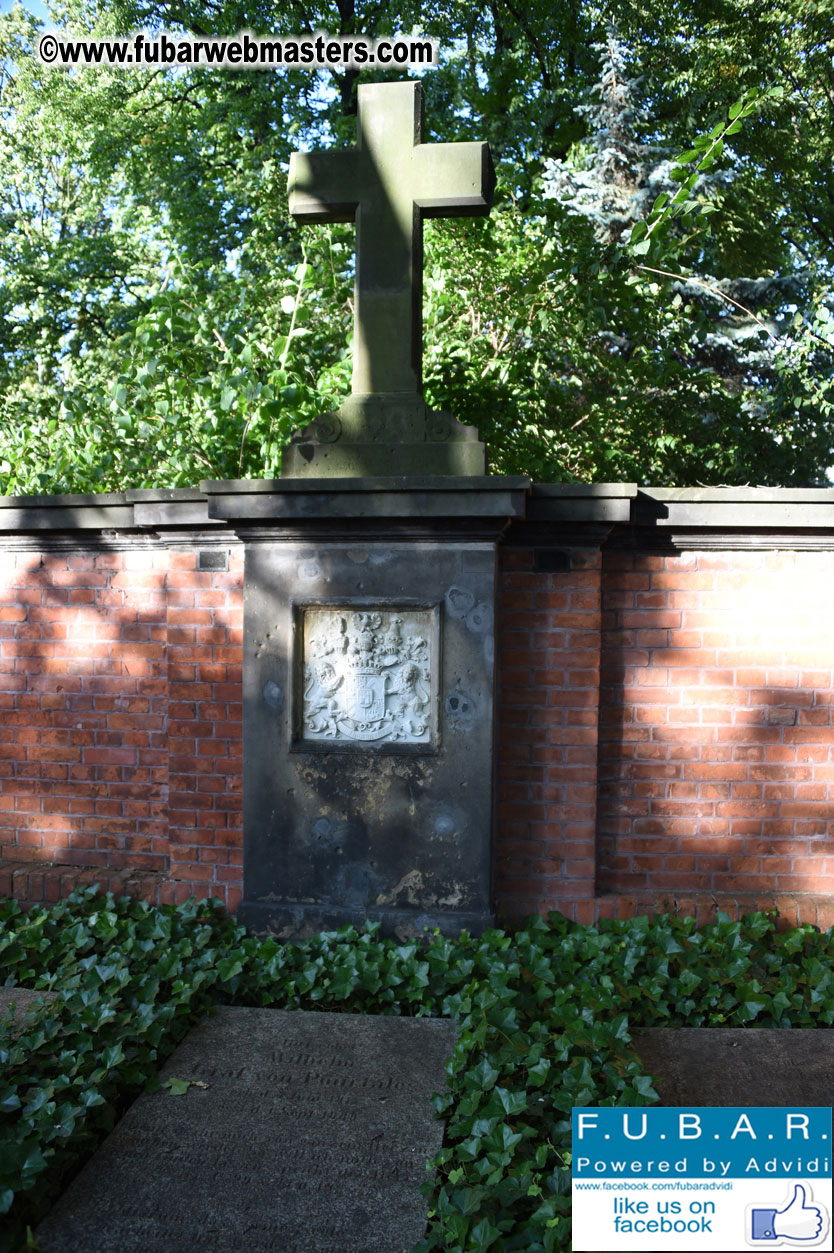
{"x":19,"y":1001}
{"x":368,"y":675}
{"x":739,"y":1065}
{"x":312,"y":1134}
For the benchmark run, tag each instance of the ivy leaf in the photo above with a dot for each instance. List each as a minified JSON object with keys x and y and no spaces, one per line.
{"x":177,"y":1087}
{"x":483,"y":1235}
{"x":9,"y":1101}
{"x":537,"y":1074}
{"x":483,"y":1075}
{"x":512,"y":1102}
{"x":620,"y":1030}
{"x":643,"y":1085}
{"x":228,"y":968}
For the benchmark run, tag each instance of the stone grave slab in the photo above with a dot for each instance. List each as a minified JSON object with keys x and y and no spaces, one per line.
{"x":739,"y":1065}
{"x":22,"y":999}
{"x":312,"y":1134}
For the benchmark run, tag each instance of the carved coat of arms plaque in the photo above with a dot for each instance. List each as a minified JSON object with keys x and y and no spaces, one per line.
{"x":367,"y":675}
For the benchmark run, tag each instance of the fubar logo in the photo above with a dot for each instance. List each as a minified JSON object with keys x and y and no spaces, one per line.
{"x":707,"y":1178}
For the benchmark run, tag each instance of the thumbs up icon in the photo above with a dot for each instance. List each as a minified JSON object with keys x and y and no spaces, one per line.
{"x":798,"y":1221}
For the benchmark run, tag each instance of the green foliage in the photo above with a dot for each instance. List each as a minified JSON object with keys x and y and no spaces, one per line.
{"x":148,"y":264}
{"x":570,"y":369}
{"x":682,"y":208}
{"x":129,"y":981}
{"x":794,"y":422}
{"x":545,"y":1018}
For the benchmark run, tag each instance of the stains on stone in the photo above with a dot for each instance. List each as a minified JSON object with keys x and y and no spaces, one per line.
{"x":479,"y":619}
{"x":373,"y":557}
{"x":444,"y":824}
{"x":329,"y":836}
{"x":415,"y":888}
{"x":410,"y":890}
{"x":459,"y":602}
{"x":314,"y":779}
{"x":373,"y":778}
{"x":460,"y":710}
{"x":781,"y":716}
{"x":353,"y":884}
{"x":273,"y":695}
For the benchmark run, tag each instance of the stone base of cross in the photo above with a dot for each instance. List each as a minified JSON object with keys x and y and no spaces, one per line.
{"x":388,"y":185}
{"x":383,"y":435}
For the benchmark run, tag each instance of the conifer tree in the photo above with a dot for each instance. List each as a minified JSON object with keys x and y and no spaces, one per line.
{"x":741,"y":324}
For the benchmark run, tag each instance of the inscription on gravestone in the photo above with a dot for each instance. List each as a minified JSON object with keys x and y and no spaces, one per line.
{"x":312,"y":1135}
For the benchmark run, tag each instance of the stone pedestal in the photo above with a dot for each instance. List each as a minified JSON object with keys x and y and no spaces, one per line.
{"x":368,"y":699}
{"x":384,"y":434}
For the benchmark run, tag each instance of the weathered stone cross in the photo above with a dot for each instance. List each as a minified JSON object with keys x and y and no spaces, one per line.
{"x":388,"y":185}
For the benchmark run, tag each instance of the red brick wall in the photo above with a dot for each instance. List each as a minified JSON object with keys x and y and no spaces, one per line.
{"x":547,"y":734}
{"x":665,"y":729}
{"x":120,"y":722}
{"x":716,"y":736}
{"x":704,"y":779}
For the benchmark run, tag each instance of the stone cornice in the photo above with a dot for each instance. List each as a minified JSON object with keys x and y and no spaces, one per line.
{"x":620,"y":515}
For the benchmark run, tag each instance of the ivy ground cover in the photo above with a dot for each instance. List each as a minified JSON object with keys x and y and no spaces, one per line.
{"x":545,"y":1019}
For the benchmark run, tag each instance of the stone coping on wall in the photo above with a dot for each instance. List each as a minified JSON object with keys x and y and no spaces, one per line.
{"x":366,"y":499}
{"x":615,"y":514}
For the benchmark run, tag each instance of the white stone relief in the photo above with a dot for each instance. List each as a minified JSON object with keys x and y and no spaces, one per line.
{"x":367,"y":675}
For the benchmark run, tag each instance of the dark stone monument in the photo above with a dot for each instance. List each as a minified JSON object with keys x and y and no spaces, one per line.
{"x":306,"y":1132}
{"x":388,"y":185}
{"x":739,"y":1065}
{"x":368,"y":701}
{"x":371,"y":588}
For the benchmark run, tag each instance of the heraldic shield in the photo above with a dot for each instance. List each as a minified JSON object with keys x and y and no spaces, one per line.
{"x":365,"y":697}
{"x":367,"y":675}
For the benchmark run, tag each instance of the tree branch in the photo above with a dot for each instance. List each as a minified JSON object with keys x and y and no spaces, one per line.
{"x":716,"y":291}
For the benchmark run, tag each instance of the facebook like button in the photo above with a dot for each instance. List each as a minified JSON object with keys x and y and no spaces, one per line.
{"x":661,"y":1178}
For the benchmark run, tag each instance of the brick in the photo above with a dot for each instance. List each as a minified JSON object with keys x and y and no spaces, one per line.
{"x":658,"y":792}
{"x":191,"y":870}
{"x":683,"y":580}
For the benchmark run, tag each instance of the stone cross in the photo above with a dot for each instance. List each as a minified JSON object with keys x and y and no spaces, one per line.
{"x":389,"y":184}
